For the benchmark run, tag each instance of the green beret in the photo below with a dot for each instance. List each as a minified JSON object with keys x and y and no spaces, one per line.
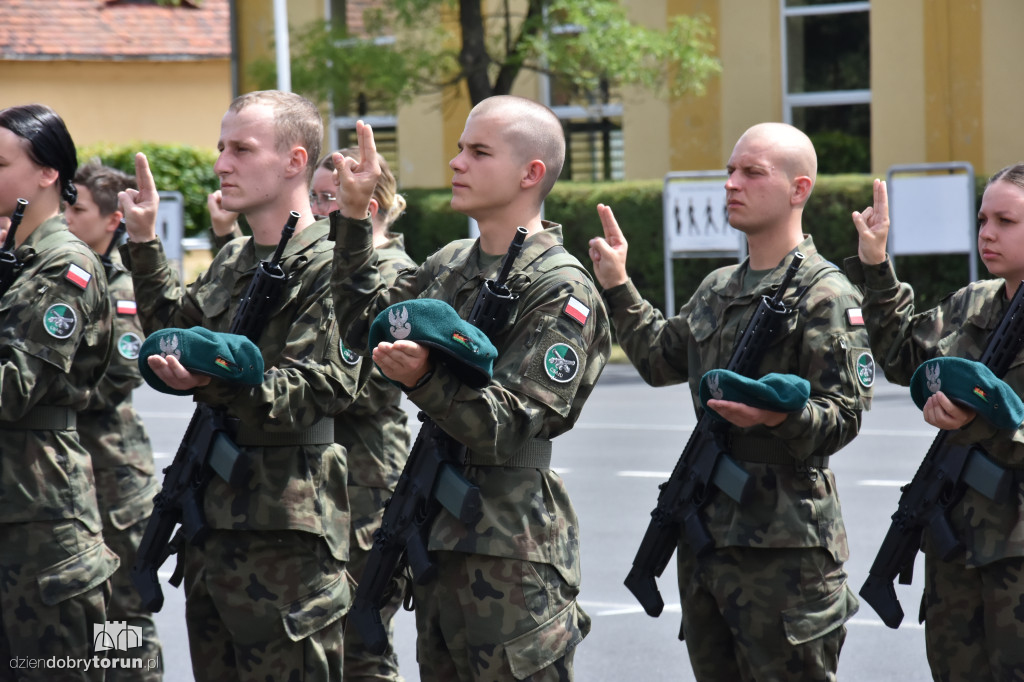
{"x":464,"y":349}
{"x":971,"y":384}
{"x":776,"y":392}
{"x":228,"y":357}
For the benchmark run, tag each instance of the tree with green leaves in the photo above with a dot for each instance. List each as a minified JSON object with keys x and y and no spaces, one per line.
{"x":587,"y":46}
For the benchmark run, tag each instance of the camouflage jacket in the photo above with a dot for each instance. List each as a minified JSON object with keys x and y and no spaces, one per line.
{"x":959,"y":326}
{"x":298,"y":487}
{"x":526,"y":512}
{"x":110,"y":428}
{"x":374,"y":429}
{"x":55,"y":344}
{"x":791,"y":505}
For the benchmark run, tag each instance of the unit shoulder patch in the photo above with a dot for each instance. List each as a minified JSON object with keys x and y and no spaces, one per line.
{"x":60,"y":320}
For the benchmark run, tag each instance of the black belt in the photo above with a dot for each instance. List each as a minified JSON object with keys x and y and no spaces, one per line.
{"x":769,"y":451}
{"x":536,"y":454}
{"x":320,"y":433}
{"x":44,"y":418}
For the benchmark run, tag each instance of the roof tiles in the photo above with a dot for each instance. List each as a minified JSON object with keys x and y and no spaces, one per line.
{"x":114,"y":30}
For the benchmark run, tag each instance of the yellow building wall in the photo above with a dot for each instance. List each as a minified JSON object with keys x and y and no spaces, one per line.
{"x":694,"y":130}
{"x":1002,"y":97}
{"x":164,"y":102}
{"x":255,"y":25}
{"x":898,"y":100}
{"x":945,"y":87}
{"x":953,"y":84}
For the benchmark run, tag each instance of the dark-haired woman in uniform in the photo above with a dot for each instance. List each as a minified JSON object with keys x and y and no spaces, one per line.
{"x":55,"y":324}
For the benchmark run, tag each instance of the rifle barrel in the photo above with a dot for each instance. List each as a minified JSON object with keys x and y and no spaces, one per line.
{"x":514,"y":249}
{"x":19,"y":213}
{"x":286,"y":234}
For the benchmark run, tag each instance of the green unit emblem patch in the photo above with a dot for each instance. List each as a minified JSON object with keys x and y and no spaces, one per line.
{"x":561,"y":363}
{"x":60,"y":320}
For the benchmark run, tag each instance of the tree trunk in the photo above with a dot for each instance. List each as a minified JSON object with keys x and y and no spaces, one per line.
{"x":473,"y":57}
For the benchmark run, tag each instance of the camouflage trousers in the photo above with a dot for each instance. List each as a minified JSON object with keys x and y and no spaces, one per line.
{"x":53,"y":592}
{"x":360,"y":664}
{"x":125,"y":497}
{"x":974,"y":619}
{"x":764,"y":613}
{"x":265,"y":605}
{"x":494,"y":619}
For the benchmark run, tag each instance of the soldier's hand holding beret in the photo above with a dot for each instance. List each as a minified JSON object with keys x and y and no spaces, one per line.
{"x":971,"y":384}
{"x":228,"y":357}
{"x":776,"y":392}
{"x":464,"y":349}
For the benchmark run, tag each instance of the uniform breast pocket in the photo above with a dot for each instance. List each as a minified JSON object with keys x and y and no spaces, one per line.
{"x":213,"y":300}
{"x":704,"y":325}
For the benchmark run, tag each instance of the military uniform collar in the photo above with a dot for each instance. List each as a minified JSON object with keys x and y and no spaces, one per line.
{"x":536,"y":245}
{"x":732,"y":286}
{"x":45,"y":229}
{"x":394,"y":241}
{"x":308,"y":237}
{"x":989,"y":316}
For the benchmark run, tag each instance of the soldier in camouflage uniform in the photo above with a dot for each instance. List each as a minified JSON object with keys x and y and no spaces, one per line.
{"x":504,"y":603}
{"x":374,"y":429}
{"x":770,"y":600}
{"x":971,"y":605}
{"x":266,"y":593}
{"x":55,"y":343}
{"x":110,"y":428}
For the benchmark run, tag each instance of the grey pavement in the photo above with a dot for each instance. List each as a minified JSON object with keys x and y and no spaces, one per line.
{"x":625,"y":443}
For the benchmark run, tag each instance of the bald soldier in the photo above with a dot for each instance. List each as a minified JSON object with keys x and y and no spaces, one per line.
{"x":770,"y":600}
{"x":503,"y":605}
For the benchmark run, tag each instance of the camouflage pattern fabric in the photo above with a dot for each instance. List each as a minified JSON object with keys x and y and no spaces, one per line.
{"x":973,"y":627}
{"x":992,"y":532}
{"x":52,"y":593}
{"x":375,"y":432}
{"x":264,"y":605}
{"x":513,"y":619}
{"x":792,"y":505}
{"x":55,"y":338}
{"x":291,"y":487}
{"x":764,"y":614}
{"x":122,"y":458}
{"x":550,"y":356}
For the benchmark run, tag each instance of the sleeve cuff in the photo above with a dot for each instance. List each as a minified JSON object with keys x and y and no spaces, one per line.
{"x":145,"y":256}
{"x":622,"y":296}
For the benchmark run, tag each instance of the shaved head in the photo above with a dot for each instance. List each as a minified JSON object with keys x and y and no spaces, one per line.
{"x":530,"y":128}
{"x":788,"y":147}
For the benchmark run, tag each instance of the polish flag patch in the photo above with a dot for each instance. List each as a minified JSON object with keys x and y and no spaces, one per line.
{"x":855,"y":317}
{"x":127,"y":308}
{"x":78,"y":276}
{"x":576,"y":309}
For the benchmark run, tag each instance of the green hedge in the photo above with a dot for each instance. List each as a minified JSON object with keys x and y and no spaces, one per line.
{"x":175,"y":168}
{"x":429,"y":222}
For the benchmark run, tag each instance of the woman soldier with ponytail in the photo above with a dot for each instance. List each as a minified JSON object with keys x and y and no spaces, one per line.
{"x":55,"y":326}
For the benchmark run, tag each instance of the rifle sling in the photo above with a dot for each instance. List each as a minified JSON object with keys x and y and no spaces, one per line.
{"x":536,"y":454}
{"x":768,"y":451}
{"x":44,"y":418}
{"x":320,"y":433}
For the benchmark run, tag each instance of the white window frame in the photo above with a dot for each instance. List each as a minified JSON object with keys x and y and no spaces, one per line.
{"x":823,"y":98}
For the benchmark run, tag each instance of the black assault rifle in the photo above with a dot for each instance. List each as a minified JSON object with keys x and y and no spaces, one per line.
{"x":705,"y":461}
{"x":115,"y":241}
{"x":10,"y":266}
{"x":206,"y":448}
{"x":939,"y":484}
{"x":429,"y":481}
